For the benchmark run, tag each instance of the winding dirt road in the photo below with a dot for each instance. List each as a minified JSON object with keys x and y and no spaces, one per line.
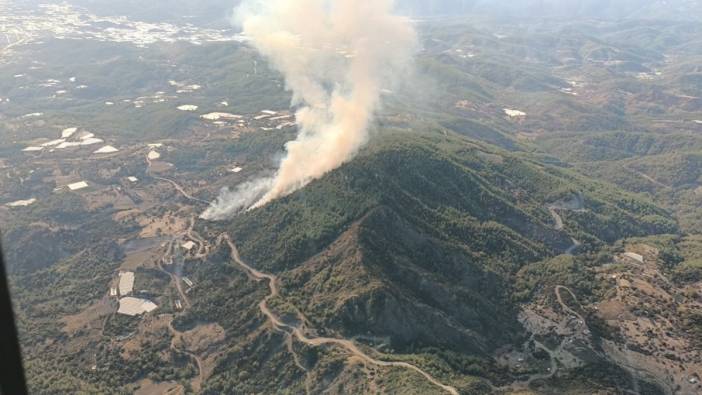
{"x":565,"y":307}
{"x":175,"y":185}
{"x":296,"y":332}
{"x":291,"y":349}
{"x":559,"y":225}
{"x":9,"y":47}
{"x":553,"y":354}
{"x":196,"y":382}
{"x":166,"y":257}
{"x":557,"y":219}
{"x":278,"y":324}
{"x":181,"y":190}
{"x":647,"y":177}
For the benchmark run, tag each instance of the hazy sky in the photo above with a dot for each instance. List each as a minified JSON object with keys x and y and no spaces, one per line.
{"x":565,"y":8}
{"x":216,"y":11}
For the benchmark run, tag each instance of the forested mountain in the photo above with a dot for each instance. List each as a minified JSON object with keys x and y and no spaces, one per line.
{"x":525,"y":217}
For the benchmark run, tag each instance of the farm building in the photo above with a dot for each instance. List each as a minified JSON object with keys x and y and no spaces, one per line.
{"x":126,"y":283}
{"x":135,"y":306}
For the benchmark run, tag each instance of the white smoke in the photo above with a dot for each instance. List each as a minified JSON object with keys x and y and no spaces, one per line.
{"x":336,"y":57}
{"x":242,"y":197}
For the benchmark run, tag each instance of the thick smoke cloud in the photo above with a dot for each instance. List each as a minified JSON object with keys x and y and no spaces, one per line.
{"x":336,"y":56}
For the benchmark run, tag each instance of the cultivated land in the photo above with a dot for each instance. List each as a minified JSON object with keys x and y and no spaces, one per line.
{"x":487,"y":240}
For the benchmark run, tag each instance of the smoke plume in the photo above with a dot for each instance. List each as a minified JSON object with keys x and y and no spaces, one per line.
{"x":336,"y":57}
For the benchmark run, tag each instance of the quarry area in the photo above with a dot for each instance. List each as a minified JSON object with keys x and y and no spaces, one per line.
{"x":641,"y":309}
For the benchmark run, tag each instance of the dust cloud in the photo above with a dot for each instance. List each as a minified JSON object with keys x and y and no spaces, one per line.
{"x":336,"y":56}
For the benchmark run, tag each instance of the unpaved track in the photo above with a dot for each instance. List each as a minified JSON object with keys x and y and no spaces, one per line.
{"x":197,"y":381}
{"x":298,"y":363}
{"x":627,"y":365}
{"x":558,"y":221}
{"x":9,"y":47}
{"x":572,"y":248}
{"x":177,"y":186}
{"x":553,"y":355}
{"x":202,"y":252}
{"x":518,"y":386}
{"x":168,"y":255}
{"x":647,"y":177}
{"x":181,"y":190}
{"x":565,"y":307}
{"x":318,"y":341}
{"x":559,"y":225}
{"x":278,"y":324}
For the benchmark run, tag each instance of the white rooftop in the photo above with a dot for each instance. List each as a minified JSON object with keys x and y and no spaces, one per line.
{"x":637,"y":257}
{"x":77,"y":186}
{"x":32,"y":115}
{"x":215,"y":116}
{"x":91,"y":141}
{"x":22,"y":203}
{"x":32,"y":149}
{"x":126,"y":283}
{"x":135,"y":306}
{"x":53,"y":142}
{"x":188,"y":107}
{"x":108,"y":149}
{"x":67,"y":144}
{"x":514,"y":113}
{"x":189,"y":245}
{"x":83,"y":142}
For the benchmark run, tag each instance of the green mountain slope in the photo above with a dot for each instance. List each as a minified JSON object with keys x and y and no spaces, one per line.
{"x":418,"y":239}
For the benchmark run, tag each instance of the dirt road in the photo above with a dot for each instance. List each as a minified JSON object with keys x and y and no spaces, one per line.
{"x":557,"y":219}
{"x":9,"y":47}
{"x":318,"y":341}
{"x":181,"y":190}
{"x":175,"y":185}
{"x":559,"y":225}
{"x":565,"y":307}
{"x":196,"y":382}
{"x":554,"y":355}
{"x":291,"y":349}
{"x":647,"y":177}
{"x":278,"y":324}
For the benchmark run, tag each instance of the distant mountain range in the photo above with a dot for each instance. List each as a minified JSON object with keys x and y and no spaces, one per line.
{"x":655,"y":9}
{"x":218,"y":12}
